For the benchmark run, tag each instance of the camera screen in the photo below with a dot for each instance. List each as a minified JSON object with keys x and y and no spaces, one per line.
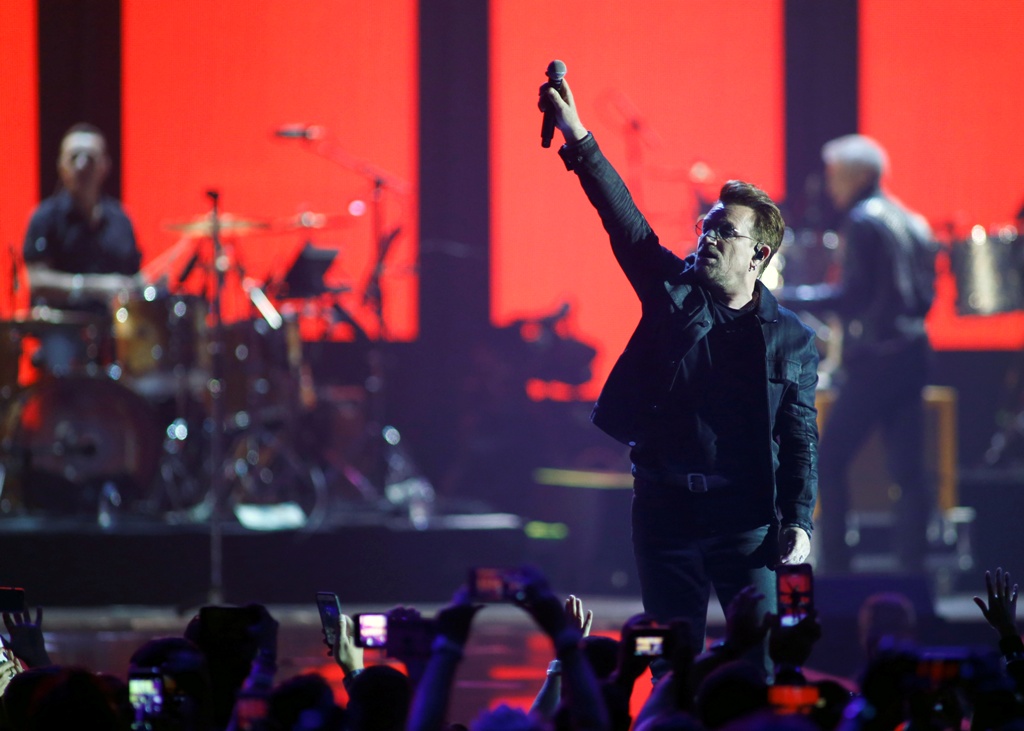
{"x":373,"y":630}
{"x":938,"y":672}
{"x":793,"y":698}
{"x":795,"y":596}
{"x":329,"y":616}
{"x":488,"y":585}
{"x":649,"y":645}
{"x":146,"y":694}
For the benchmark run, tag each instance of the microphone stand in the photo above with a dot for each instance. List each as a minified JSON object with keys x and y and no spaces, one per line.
{"x":215,"y":386}
{"x":373,"y":295}
{"x":382,"y":181}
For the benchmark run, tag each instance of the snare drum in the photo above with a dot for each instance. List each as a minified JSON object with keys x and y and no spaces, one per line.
{"x":158,"y":340}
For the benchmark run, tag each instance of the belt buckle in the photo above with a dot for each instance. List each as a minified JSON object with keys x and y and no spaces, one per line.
{"x":696,"y":482}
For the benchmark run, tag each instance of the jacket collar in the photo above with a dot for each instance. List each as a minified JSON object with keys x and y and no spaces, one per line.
{"x":767,"y":305}
{"x":872,"y":190}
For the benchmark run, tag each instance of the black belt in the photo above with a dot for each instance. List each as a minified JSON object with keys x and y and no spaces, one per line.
{"x":695,"y":482}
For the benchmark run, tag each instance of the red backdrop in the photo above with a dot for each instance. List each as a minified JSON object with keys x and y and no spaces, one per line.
{"x":19,"y":175}
{"x":642,"y":62}
{"x":940,"y":88}
{"x":206,"y":83}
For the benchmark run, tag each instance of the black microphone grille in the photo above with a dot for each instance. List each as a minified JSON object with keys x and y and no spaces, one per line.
{"x":556,"y":71}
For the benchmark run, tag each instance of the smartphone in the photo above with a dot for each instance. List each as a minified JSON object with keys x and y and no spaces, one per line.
{"x":371,"y":630}
{"x":940,"y":667}
{"x":488,"y":584}
{"x":793,"y":698}
{"x":329,"y":606}
{"x":12,"y":599}
{"x":651,"y":642}
{"x":795,"y":586}
{"x":146,"y":691}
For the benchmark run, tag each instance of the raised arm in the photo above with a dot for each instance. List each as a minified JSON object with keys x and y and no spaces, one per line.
{"x":645,"y":262}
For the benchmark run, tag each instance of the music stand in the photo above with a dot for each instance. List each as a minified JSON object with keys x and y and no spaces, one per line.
{"x":305,"y":278}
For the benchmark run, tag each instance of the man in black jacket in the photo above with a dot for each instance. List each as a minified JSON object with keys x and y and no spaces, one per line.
{"x":886,"y":290}
{"x":714,"y":393}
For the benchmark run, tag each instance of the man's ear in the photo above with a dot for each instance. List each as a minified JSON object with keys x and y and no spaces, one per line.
{"x":761,"y":252}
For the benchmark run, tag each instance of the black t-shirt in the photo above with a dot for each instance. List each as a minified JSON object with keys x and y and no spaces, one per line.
{"x":719,"y":414}
{"x":60,"y":237}
{"x":734,"y":407}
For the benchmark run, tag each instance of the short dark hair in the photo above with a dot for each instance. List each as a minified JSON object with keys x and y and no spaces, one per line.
{"x":85,"y":128}
{"x":768,"y":223}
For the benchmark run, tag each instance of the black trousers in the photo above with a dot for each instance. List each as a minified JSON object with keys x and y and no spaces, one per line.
{"x":882,"y":390}
{"x":679,"y":560}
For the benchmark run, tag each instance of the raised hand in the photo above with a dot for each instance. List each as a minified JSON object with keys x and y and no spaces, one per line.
{"x":576,"y":616}
{"x":27,"y":637}
{"x":346,"y":654}
{"x":1001,"y":610}
{"x":563,"y":105}
{"x":745,"y":625}
{"x":536,"y":597}
{"x":455,"y":620}
{"x":791,"y":646}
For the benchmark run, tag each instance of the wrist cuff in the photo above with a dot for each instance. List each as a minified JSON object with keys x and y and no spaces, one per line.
{"x":574,"y":153}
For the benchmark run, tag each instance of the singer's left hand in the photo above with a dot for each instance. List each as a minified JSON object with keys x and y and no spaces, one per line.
{"x":794,"y":545}
{"x":567,"y":119}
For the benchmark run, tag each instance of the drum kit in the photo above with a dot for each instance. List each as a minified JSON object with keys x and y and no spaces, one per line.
{"x":144,"y":403}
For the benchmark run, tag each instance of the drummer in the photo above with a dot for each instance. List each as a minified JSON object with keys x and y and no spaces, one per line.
{"x":80,"y":247}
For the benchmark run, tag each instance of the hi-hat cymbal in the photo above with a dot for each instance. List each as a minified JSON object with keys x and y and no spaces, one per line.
{"x":203,"y":225}
{"x":312,"y":220}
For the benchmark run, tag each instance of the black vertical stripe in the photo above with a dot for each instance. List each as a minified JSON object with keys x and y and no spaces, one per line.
{"x":79,"y":79}
{"x":454,"y":169}
{"x":821,"y":84}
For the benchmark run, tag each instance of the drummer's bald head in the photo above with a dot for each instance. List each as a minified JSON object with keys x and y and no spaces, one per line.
{"x":858,"y":152}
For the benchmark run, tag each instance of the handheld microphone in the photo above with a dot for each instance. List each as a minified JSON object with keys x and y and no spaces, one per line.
{"x":555,"y":74}
{"x":300,"y":132}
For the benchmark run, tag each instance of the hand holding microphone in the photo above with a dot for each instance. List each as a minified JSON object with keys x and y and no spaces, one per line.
{"x":555,"y":74}
{"x":559,"y":109}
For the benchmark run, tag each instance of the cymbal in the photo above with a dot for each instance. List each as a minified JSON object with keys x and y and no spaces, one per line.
{"x":41,"y":318}
{"x":312,"y":220}
{"x":203,"y":225}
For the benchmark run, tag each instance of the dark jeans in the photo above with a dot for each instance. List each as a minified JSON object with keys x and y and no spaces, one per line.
{"x":883,"y":391}
{"x":679,"y":559}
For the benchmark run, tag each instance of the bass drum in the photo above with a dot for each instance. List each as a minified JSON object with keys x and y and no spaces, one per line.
{"x":67,"y":437}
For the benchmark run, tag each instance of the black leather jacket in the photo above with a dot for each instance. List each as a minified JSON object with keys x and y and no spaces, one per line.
{"x":888,"y":276}
{"x":669,"y":345}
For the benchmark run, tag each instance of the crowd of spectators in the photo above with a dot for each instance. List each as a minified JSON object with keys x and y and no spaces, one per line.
{"x":220,"y":674}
